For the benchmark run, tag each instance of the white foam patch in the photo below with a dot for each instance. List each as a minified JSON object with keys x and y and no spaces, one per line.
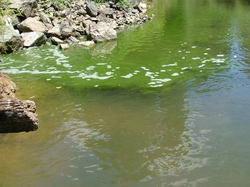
{"x":146,"y":69}
{"x":127,"y":76}
{"x":90,"y":68}
{"x":165,"y":65}
{"x":175,"y":74}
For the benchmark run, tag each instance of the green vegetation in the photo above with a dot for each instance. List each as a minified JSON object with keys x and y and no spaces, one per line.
{"x":6,"y":11}
{"x":58,"y":4}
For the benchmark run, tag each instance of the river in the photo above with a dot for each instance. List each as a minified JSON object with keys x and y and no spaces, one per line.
{"x":166,"y":104}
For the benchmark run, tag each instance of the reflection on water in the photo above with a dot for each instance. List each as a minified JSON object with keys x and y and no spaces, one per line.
{"x":167,"y":104}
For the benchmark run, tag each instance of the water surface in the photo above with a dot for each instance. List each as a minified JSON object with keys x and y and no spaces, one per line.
{"x":166,"y":104}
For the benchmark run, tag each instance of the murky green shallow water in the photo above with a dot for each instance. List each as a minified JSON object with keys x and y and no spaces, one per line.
{"x":167,"y":104}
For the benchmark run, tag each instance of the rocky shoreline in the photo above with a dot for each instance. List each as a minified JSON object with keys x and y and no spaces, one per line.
{"x":82,"y":22}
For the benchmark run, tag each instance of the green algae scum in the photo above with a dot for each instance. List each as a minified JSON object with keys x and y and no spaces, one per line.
{"x":166,"y":104}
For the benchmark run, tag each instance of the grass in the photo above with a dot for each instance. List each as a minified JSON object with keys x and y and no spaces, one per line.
{"x":6,"y":11}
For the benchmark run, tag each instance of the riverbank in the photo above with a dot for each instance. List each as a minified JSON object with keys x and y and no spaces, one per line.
{"x":82,"y":22}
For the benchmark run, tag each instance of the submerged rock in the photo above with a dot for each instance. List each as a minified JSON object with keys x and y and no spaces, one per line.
{"x":86,"y":43}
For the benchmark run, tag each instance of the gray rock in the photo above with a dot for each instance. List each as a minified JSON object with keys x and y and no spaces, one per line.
{"x":92,"y":9}
{"x":46,"y":20}
{"x":105,"y":10}
{"x":101,"y":32}
{"x":10,"y":39}
{"x":64,"y":46}
{"x":33,"y":39}
{"x":86,"y":24}
{"x":73,"y":39}
{"x":27,"y":7}
{"x":56,"y":40}
{"x":81,"y":12}
{"x":66,"y":30}
{"x":79,"y":28}
{"x":31,"y":24}
{"x":55,"y":31}
{"x":142,"y":7}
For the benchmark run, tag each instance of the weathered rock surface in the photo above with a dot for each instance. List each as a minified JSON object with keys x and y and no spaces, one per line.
{"x":27,"y":7}
{"x":55,"y":31}
{"x":92,"y":9}
{"x":15,"y":115}
{"x":56,"y":40}
{"x":102,"y":31}
{"x":64,"y":46}
{"x":31,"y":24}
{"x":142,"y":7}
{"x":10,"y":39}
{"x":7,"y":87}
{"x":33,"y":39}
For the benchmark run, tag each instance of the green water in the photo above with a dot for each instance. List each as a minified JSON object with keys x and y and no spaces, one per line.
{"x":166,"y":104}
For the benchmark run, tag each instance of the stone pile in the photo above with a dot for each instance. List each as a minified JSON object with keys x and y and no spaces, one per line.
{"x":83,"y":22}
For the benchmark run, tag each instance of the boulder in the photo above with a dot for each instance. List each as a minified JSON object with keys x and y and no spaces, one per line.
{"x":142,"y":7}
{"x":27,"y":7}
{"x":7,"y":87}
{"x":86,"y":24}
{"x":64,"y":46}
{"x":73,"y":39}
{"x":105,"y":10}
{"x":92,"y":9}
{"x":55,"y":31}
{"x":81,"y":11}
{"x":33,"y":39}
{"x":10,"y":39}
{"x":66,"y":30}
{"x":56,"y":41}
{"x":16,"y":115}
{"x":101,"y":32}
{"x":46,"y":20}
{"x":31,"y":24}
